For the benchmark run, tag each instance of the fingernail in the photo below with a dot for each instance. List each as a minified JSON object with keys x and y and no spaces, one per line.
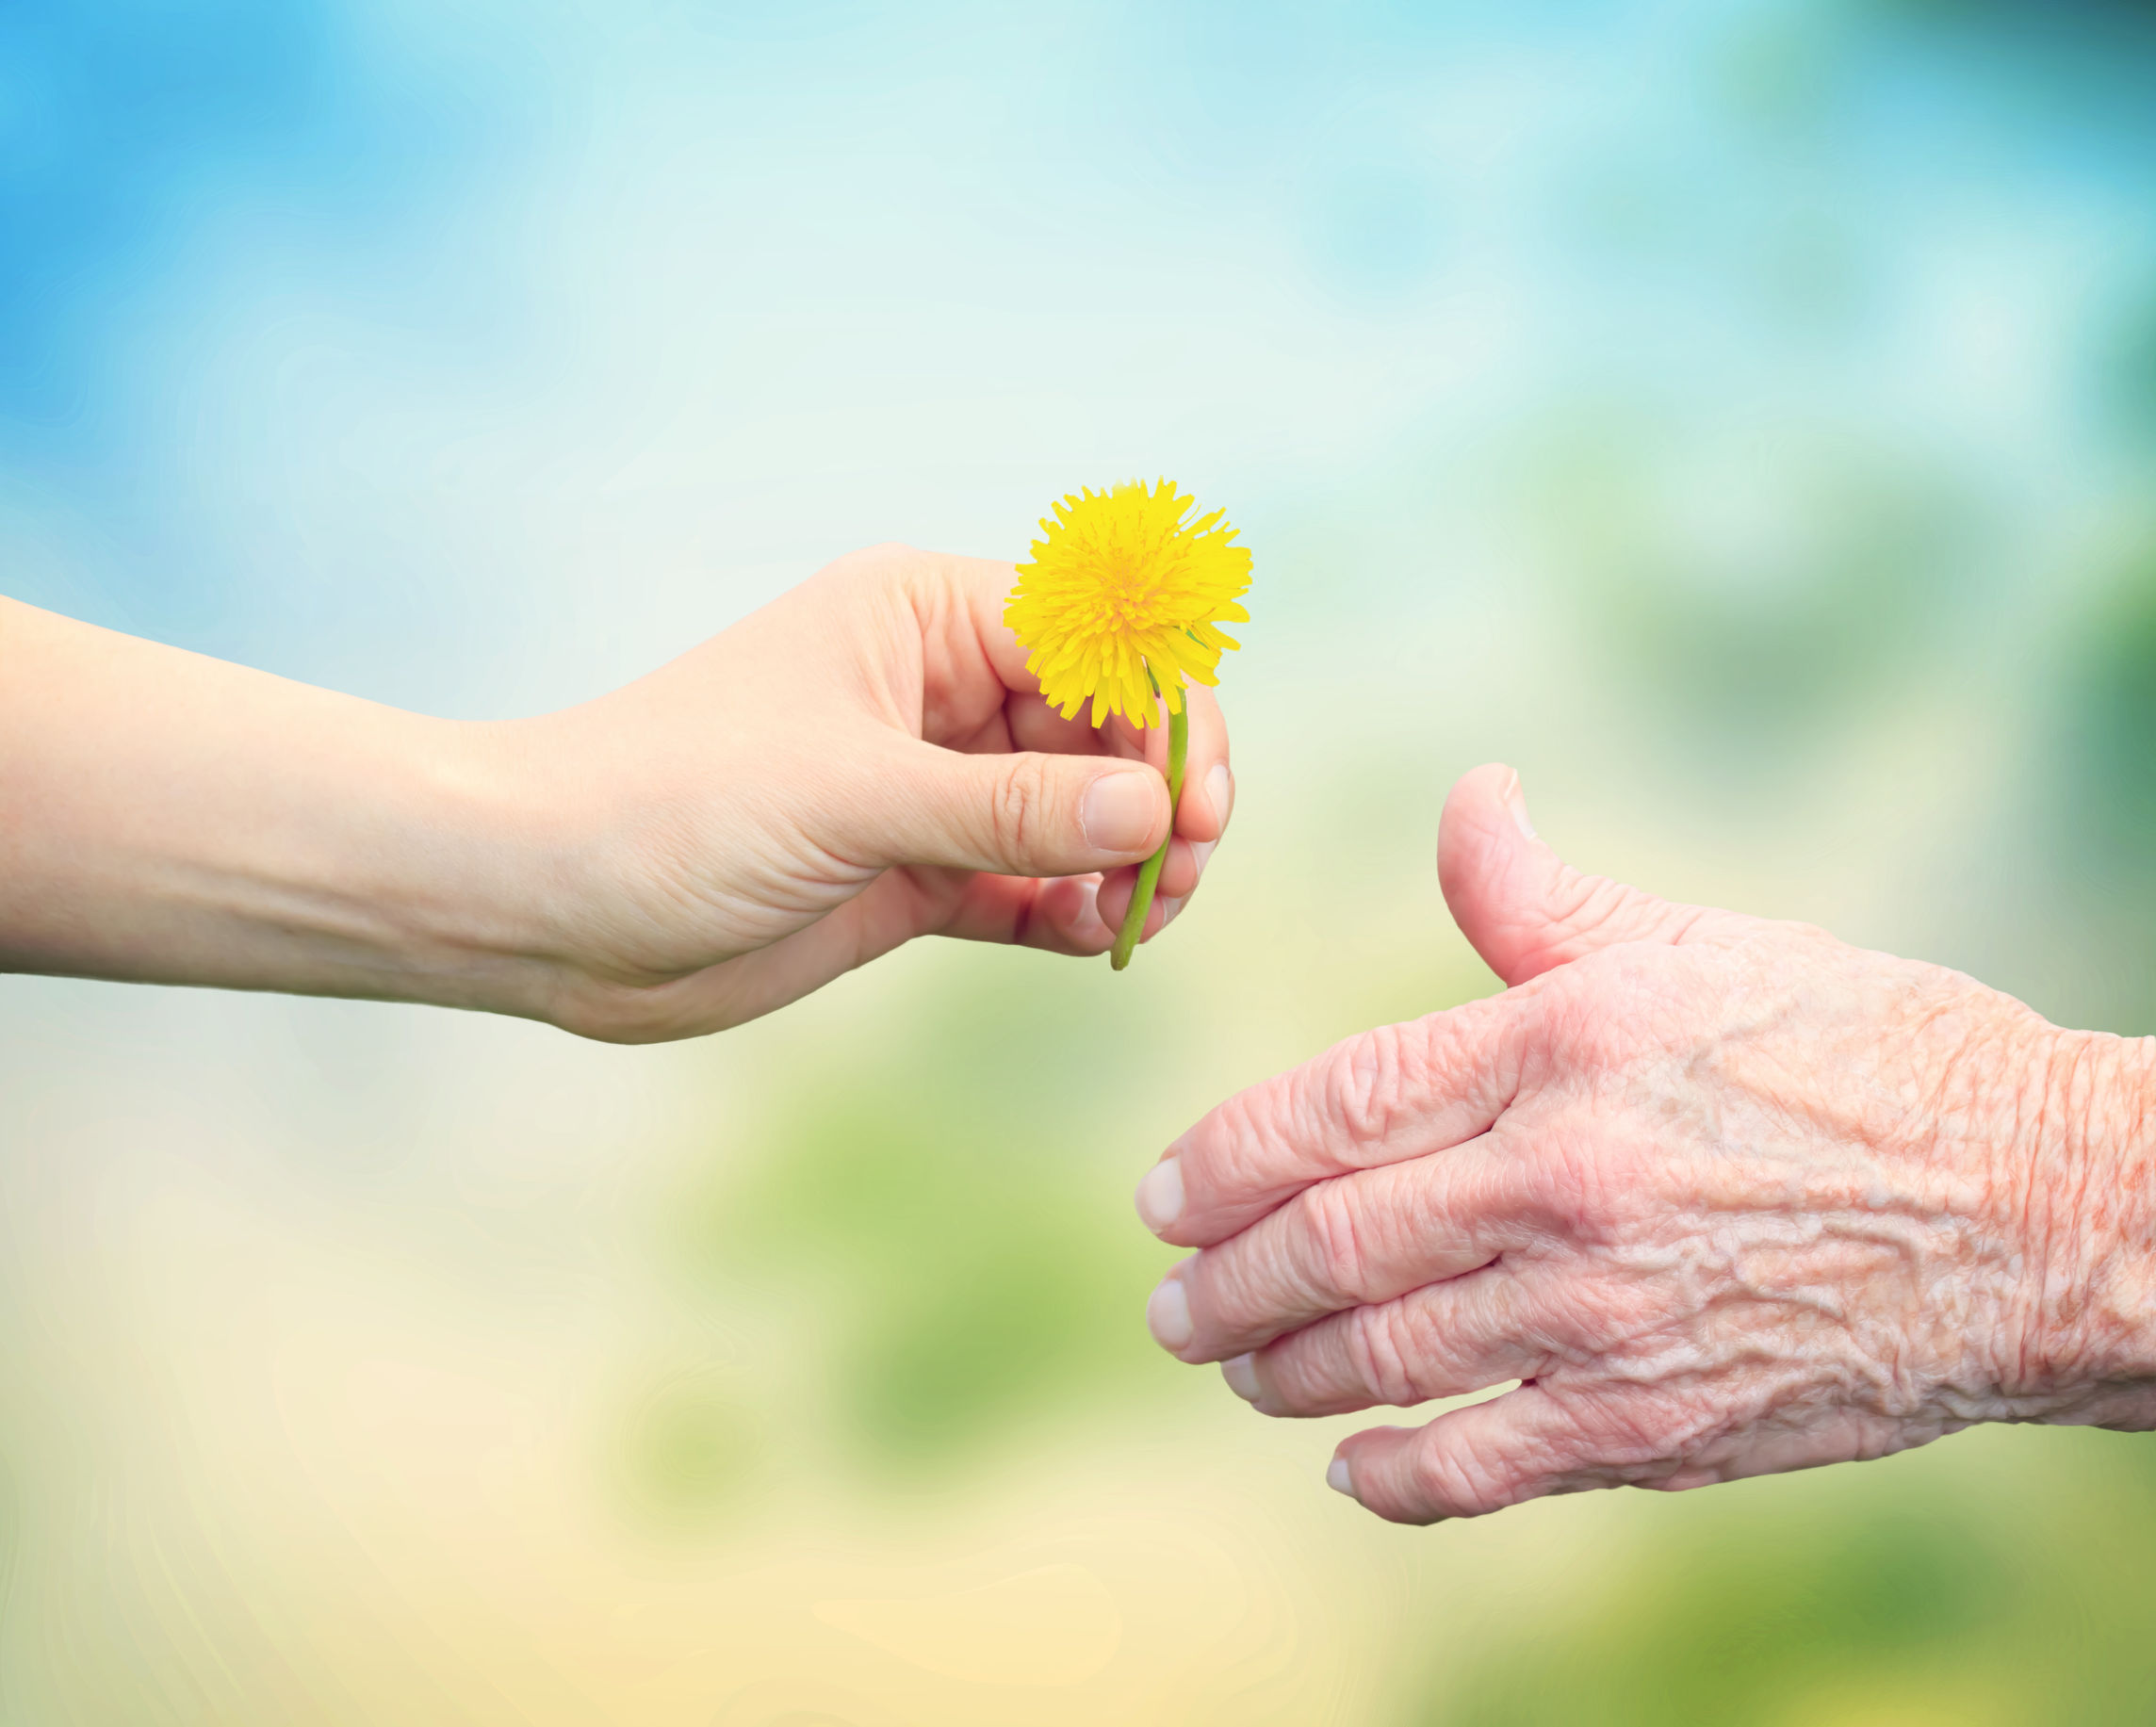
{"x":1337,"y":1478}
{"x":1118,"y":810}
{"x":1516,"y":800}
{"x":1169,"y":910}
{"x":1167,"y":1314}
{"x":1220,"y":788}
{"x":1241,"y":1372}
{"x":1198,"y":854}
{"x":1160,"y":1193}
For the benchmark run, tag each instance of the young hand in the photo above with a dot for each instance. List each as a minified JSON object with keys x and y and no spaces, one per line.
{"x":862,"y":761}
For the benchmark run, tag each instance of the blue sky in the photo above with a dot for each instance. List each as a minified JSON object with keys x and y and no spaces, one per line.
{"x":479,"y":355}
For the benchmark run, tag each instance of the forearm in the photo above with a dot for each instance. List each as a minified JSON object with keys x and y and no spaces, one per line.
{"x":170,"y":818}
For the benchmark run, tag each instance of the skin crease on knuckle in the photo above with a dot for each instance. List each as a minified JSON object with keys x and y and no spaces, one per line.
{"x":1018,"y":815}
{"x":1374,"y":1088}
{"x":1379,"y":1097}
{"x":1387,"y":1354}
{"x":1339,"y":1230}
{"x":1809,"y":1205}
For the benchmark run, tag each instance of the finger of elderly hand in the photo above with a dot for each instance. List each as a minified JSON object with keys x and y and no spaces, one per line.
{"x":1398,"y":1092}
{"x":1443,"y":1341}
{"x":1522,"y":906}
{"x":1465,"y":1463}
{"x":1354,"y":1240}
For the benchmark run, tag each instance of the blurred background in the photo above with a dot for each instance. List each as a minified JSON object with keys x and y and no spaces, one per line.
{"x":1741,"y":418}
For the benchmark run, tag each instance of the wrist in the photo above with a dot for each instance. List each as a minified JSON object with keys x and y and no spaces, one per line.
{"x":469,"y":893}
{"x":586,"y":877}
{"x":2090,"y":1232}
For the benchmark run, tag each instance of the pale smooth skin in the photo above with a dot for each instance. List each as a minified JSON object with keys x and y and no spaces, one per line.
{"x":862,"y":761}
{"x":1725,"y":1196}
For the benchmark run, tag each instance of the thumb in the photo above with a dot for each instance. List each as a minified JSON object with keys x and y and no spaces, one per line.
{"x":1025,"y":813}
{"x":1524,"y":909}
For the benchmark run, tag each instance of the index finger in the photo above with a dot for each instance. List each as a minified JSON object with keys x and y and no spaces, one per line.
{"x":1397,"y":1092}
{"x":1202,"y":815}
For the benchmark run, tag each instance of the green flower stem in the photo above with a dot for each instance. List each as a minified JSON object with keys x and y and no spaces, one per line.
{"x":1148,"y":875}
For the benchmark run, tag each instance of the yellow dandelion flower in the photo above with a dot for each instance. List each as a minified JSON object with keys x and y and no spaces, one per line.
{"x":1124,"y":585}
{"x":1123,"y":601}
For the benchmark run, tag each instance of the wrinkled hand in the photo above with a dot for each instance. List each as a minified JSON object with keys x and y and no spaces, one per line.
{"x":863,"y":761}
{"x":1724,"y":1196}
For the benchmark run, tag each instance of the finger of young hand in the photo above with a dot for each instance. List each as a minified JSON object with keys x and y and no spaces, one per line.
{"x":1467,"y":1462}
{"x":982,"y":588}
{"x":1033,"y":725}
{"x":1208,"y":783}
{"x":1386,"y":1096}
{"x":1202,"y":815}
{"x":1181,"y":870}
{"x":1353,"y":1241}
{"x":1117,"y":886}
{"x":1179,"y":880}
{"x":1443,"y":1341}
{"x":1026,"y":814}
{"x":1058,"y":915}
{"x":733,"y":991}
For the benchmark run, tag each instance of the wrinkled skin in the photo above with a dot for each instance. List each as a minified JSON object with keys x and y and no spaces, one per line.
{"x":1725,"y":1196}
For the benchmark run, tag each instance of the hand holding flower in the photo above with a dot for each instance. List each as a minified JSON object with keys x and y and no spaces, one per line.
{"x":863,"y":761}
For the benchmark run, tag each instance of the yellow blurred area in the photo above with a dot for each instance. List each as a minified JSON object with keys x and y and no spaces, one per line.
{"x":799,"y":1376}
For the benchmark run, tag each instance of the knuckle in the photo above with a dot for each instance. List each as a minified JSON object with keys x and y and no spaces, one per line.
{"x":1017,"y":807}
{"x":1589,"y":904}
{"x":881,"y":556}
{"x":874,"y":568}
{"x":1333,"y":1227}
{"x":1461,"y":1481}
{"x":1226,"y":1160}
{"x":1359,"y":1087}
{"x":1254,"y":1128}
{"x":1382,"y":1349}
{"x":1287,"y":1380}
{"x":1630,"y":1432}
{"x":1589,"y":1188}
{"x":1222,"y":1149}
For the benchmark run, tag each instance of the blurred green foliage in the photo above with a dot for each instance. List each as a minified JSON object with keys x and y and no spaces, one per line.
{"x":1894,"y":1595}
{"x":929,"y":1204}
{"x":692,"y":1445}
{"x":1758,"y":590}
{"x":2113,"y":734}
{"x":965,"y":1283}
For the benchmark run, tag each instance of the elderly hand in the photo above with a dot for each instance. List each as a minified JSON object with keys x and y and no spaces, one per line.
{"x":863,"y":761}
{"x":1724,"y":1196}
